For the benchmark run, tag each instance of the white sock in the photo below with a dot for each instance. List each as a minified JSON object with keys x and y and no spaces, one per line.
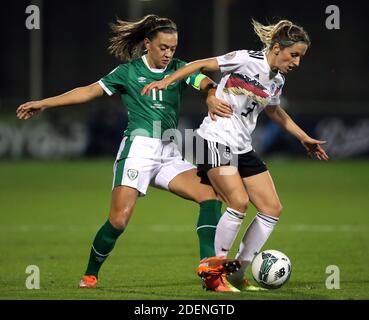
{"x":253,"y":240}
{"x":227,"y":230}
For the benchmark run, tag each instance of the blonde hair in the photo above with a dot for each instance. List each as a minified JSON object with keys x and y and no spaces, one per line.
{"x":284,"y":32}
{"x":127,"y":41}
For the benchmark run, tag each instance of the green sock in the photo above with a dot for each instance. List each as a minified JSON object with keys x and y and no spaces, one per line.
{"x":210,"y":213}
{"x":102,"y":246}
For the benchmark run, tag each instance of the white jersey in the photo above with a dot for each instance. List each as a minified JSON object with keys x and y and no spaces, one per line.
{"x":248,"y":85}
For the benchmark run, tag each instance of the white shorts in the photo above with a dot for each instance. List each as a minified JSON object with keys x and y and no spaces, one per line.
{"x":143,"y":161}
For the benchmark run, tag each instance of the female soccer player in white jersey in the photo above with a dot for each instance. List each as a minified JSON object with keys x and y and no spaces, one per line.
{"x":251,"y":82}
{"x":144,"y":157}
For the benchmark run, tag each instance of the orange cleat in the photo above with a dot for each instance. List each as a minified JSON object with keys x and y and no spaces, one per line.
{"x":217,"y":265}
{"x":218,"y":283}
{"x":88,"y":282}
{"x":213,"y":272}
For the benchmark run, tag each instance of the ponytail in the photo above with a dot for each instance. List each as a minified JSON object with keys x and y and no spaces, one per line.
{"x":127,"y":41}
{"x":285,"y":32}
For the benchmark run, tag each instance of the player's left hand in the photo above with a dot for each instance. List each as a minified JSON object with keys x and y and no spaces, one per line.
{"x":160,"y":85}
{"x":314,"y":149}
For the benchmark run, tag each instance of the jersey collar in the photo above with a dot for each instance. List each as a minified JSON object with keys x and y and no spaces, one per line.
{"x":152,"y":69}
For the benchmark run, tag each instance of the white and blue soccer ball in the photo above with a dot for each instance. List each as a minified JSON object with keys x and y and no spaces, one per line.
{"x":271,"y":269}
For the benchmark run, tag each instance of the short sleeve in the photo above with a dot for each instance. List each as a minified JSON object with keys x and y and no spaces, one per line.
{"x":115,"y":81}
{"x":233,"y":60}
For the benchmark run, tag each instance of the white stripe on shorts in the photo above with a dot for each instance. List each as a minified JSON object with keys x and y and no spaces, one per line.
{"x":214,"y":154}
{"x":217,"y":151}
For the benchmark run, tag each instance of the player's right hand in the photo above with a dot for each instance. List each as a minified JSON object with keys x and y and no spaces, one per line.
{"x":29,"y":109}
{"x":159,"y":85}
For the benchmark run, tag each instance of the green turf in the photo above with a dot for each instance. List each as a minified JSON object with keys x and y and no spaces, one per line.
{"x":50,"y":212}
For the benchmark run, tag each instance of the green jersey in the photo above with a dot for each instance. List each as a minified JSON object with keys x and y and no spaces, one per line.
{"x":150,"y":115}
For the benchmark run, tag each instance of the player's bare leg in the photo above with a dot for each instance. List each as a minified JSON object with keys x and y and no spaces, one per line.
{"x":122,"y":204}
{"x":263,"y":194}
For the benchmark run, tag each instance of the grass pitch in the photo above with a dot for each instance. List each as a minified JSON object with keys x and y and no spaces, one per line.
{"x":50,"y":212}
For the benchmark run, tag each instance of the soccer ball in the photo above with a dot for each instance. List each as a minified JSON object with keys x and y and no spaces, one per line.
{"x":271,"y":269}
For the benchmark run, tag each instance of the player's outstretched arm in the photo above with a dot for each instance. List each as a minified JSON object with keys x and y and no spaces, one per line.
{"x":312,"y":146}
{"x":75,"y":96}
{"x":210,"y":64}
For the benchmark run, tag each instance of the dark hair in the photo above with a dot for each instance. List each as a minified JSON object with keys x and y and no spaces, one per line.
{"x":285,"y":32}
{"x":127,"y":41}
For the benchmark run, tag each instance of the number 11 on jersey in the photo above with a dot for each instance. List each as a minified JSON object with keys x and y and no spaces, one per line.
{"x":156,"y":94}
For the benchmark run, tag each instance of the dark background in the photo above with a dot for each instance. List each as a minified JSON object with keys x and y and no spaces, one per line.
{"x":331,"y":81}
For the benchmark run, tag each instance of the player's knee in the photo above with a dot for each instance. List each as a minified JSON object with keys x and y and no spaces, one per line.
{"x":274,"y":209}
{"x":278,"y":209}
{"x":120,"y":218}
{"x":118,"y":223}
{"x":239,"y":203}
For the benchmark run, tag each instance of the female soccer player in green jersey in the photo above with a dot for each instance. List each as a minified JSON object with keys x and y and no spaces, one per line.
{"x":145,"y":157}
